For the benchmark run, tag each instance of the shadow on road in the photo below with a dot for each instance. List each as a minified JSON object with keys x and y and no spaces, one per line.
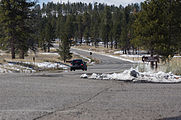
{"x":171,"y":118}
{"x":44,"y":75}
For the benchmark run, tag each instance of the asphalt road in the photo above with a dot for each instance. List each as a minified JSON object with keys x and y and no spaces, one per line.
{"x":107,"y":64}
{"x":64,"y":96}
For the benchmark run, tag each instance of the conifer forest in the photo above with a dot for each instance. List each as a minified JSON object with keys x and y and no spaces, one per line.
{"x":153,"y":25}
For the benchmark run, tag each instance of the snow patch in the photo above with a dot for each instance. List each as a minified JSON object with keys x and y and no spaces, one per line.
{"x":47,"y":65}
{"x":118,"y":52}
{"x":159,"y":77}
{"x":49,"y":53}
{"x":84,"y":76}
{"x":135,"y":76}
{"x":13,"y":67}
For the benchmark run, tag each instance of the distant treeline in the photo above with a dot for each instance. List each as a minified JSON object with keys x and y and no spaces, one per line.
{"x":154,"y":25}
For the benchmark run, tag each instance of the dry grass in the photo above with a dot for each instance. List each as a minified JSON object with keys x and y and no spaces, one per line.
{"x":39,"y":57}
{"x":173,"y":66}
{"x":98,"y":49}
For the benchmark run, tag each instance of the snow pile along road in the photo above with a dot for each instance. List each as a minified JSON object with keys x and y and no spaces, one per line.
{"x":134,"y":75}
{"x":14,"y":68}
{"x":50,"y":65}
{"x":18,"y":68}
{"x":47,"y":65}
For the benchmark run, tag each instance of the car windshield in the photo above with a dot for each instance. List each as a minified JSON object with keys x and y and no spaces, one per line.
{"x":77,"y":62}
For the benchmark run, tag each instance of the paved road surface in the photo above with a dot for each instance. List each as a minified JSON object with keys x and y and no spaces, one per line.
{"x":107,"y":64}
{"x":64,"y":96}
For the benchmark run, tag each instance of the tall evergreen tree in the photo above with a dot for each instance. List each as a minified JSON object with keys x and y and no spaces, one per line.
{"x":106,"y":25}
{"x":86,"y":24}
{"x":95,"y":25}
{"x":13,"y":17}
{"x":49,"y":35}
{"x":125,"y":34}
{"x":64,"y":47}
{"x":117,"y":18}
{"x":80,"y":27}
{"x":24,"y":28}
{"x":157,"y":27}
{"x":60,"y":25}
{"x":8,"y":18}
{"x":69,"y":27}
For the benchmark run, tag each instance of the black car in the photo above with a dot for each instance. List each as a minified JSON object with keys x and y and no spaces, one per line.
{"x":78,"y":64}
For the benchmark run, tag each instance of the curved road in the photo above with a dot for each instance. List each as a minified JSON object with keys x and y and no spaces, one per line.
{"x":64,"y":96}
{"x":107,"y":64}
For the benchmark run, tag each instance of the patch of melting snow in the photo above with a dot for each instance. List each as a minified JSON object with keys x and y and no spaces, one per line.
{"x":11,"y":67}
{"x":84,"y":76}
{"x":45,"y":53}
{"x":159,"y":77}
{"x":136,"y":76}
{"x":48,"y":65}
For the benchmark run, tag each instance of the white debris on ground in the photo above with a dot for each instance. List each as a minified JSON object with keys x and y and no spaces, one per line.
{"x":135,"y":76}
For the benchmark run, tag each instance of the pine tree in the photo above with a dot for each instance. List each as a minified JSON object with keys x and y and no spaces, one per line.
{"x":24,"y":28}
{"x":125,"y":33}
{"x":8,"y":18}
{"x":106,"y":25}
{"x":117,"y":17}
{"x":49,"y":35}
{"x":14,"y":16}
{"x":86,"y":24}
{"x":69,"y":27}
{"x":157,"y":27}
{"x":95,"y":25}
{"x":64,"y":47}
{"x":60,"y":25}
{"x":80,"y":27}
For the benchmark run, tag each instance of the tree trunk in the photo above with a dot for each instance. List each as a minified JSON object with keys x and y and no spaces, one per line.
{"x":152,"y":63}
{"x":95,"y":43}
{"x":21,"y":54}
{"x":104,"y":44}
{"x":125,"y":52}
{"x":48,"y":49}
{"x":111,"y":44}
{"x":81,"y":39}
{"x":12,"y":50}
{"x":116,"y":45}
{"x":44,"y":48}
